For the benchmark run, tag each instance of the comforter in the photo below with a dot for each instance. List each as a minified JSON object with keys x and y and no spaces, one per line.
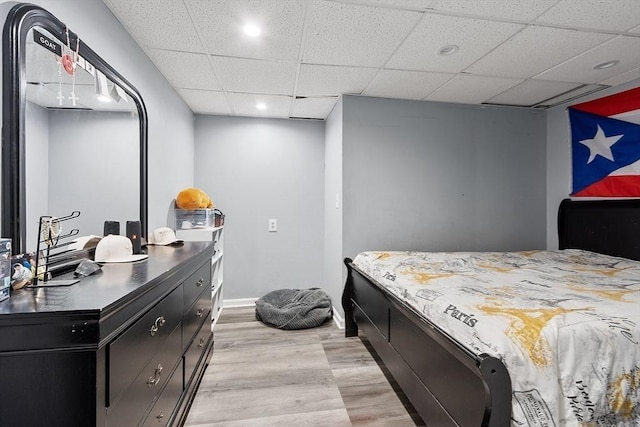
{"x":566,"y":324}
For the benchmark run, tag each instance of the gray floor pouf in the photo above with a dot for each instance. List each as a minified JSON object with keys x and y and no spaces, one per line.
{"x":294,"y":308}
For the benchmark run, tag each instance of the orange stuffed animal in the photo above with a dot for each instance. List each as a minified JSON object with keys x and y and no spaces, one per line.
{"x":193,"y":198}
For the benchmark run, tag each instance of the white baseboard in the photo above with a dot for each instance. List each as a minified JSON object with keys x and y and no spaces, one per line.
{"x":240,"y":302}
{"x":338,"y":319}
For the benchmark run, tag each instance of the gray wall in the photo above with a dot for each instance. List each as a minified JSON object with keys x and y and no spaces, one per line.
{"x":442,"y":177}
{"x":170,"y":120}
{"x":255,"y":169}
{"x":334,"y":274}
{"x":559,"y":158}
{"x":432,"y":177}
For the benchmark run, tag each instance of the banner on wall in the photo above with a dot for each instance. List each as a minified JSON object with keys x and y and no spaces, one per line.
{"x":605,"y":145}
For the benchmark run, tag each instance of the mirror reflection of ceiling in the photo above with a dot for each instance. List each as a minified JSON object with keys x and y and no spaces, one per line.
{"x":51,"y":86}
{"x":302,"y":54}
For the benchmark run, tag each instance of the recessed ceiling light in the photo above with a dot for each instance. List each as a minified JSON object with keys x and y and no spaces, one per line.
{"x":252,"y":30}
{"x":448,"y":50}
{"x":606,"y":65}
{"x":261,"y":106}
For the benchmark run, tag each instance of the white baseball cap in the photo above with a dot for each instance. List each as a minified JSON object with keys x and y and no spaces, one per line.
{"x":116,"y":248}
{"x":85,"y":242}
{"x":163,"y":236}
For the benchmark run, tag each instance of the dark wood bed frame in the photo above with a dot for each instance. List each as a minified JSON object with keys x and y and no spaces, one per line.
{"x":448,"y":385}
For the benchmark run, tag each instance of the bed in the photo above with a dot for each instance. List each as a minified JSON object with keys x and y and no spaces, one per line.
{"x":459,"y":369}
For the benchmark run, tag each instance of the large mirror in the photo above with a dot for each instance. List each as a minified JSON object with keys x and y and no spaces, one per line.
{"x":74,"y":134}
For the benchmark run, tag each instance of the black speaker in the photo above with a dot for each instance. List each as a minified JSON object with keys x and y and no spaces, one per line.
{"x":133,"y":233}
{"x":111,"y":227}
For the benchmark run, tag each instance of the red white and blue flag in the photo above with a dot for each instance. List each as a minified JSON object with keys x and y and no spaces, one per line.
{"x":605,"y":142}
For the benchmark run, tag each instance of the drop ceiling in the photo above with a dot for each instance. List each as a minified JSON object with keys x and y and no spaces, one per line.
{"x":529,"y":53}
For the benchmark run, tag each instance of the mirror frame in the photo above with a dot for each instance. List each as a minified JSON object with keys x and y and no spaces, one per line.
{"x":20,"y":19}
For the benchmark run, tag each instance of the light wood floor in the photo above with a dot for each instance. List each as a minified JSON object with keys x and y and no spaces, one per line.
{"x":261,"y":376}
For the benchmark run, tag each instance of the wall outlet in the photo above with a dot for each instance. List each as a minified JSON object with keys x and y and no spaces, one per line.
{"x":273,"y":224}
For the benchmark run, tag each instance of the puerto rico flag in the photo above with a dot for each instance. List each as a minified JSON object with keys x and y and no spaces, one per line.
{"x":605,"y":142}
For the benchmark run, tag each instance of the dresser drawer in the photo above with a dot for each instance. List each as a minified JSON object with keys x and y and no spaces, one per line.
{"x":162,"y":410}
{"x":194,"y":353}
{"x":195,"y":284}
{"x":198,"y":313}
{"x":136,"y":400}
{"x":132,"y":351}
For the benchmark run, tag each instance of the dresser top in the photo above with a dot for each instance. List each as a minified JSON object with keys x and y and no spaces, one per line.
{"x":116,"y":284}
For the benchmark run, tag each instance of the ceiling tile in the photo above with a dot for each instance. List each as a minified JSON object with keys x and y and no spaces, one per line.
{"x":255,"y":75}
{"x":244,"y":104}
{"x":521,"y":10}
{"x":185,"y":70}
{"x":405,"y":84}
{"x":420,"y":5}
{"x":534,"y":50}
{"x":328,"y":80}
{"x":595,"y":14}
{"x":166,"y":25}
{"x":220,"y":25}
{"x":510,"y":51}
{"x":205,"y":102}
{"x":580,"y":69}
{"x":346,"y":34}
{"x":313,"y":108}
{"x":531,"y":92}
{"x":471,"y":89}
{"x":420,"y":50}
{"x":622,"y":78}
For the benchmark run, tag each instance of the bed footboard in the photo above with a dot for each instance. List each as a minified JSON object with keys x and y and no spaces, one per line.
{"x":446,"y":384}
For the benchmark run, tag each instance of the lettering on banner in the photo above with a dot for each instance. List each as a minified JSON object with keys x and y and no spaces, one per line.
{"x":47,"y":43}
{"x":622,"y":325}
{"x":467,"y":319}
{"x":389,"y":276}
{"x":534,"y":408}
{"x":581,"y":403}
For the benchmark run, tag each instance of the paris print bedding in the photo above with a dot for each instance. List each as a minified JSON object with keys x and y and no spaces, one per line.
{"x":566,"y":324}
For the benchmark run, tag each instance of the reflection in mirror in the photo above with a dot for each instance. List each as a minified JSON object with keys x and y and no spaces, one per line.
{"x":81,"y":141}
{"x":74,"y":133}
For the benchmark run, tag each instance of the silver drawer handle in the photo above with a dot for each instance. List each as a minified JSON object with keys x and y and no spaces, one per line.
{"x":201,"y":344}
{"x":199,"y":282}
{"x":157,"y":325}
{"x":155,"y":379}
{"x":200,"y":312}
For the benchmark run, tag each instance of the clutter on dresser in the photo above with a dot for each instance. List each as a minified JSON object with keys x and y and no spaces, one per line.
{"x":87,"y":267}
{"x":5,"y":268}
{"x":134,"y":232}
{"x":51,"y":254}
{"x":111,"y":227}
{"x":115,"y":248}
{"x":163,"y":236}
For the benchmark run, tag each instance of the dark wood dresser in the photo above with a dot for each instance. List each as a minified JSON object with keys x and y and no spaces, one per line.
{"x":124,"y":347}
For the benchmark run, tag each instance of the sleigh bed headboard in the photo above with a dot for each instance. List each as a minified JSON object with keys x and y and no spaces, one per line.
{"x":609,"y":227}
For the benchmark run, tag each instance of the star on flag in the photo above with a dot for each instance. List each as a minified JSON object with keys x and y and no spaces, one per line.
{"x":600,"y":145}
